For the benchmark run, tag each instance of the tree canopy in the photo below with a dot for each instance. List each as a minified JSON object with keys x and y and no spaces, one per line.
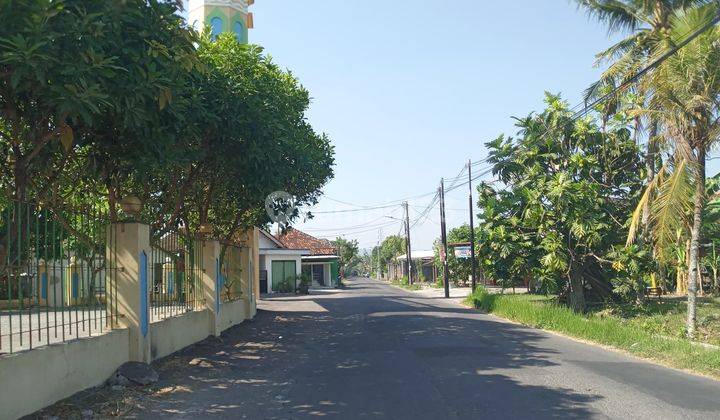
{"x":105,"y":100}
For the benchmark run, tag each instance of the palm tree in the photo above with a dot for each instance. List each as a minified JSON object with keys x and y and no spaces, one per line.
{"x":685,"y":95}
{"x":648,"y":22}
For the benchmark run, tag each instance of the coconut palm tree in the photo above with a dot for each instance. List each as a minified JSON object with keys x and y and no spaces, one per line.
{"x":685,"y":102}
{"x":647,"y":22}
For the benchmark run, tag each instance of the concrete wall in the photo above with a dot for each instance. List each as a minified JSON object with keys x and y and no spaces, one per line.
{"x":34,"y":379}
{"x":232,"y":313}
{"x":173,"y":334}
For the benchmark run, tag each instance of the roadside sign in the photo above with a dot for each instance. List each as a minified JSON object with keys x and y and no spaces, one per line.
{"x":462,"y":251}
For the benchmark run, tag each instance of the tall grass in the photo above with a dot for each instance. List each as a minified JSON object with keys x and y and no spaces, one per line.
{"x":541,"y":312}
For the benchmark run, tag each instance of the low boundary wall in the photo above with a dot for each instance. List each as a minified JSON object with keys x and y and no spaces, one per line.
{"x":34,"y":379}
{"x":31,"y":380}
{"x":173,"y":334}
{"x":232,"y":313}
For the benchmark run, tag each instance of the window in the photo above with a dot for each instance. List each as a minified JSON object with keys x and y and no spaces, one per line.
{"x":239,"y":31}
{"x":215,"y":27}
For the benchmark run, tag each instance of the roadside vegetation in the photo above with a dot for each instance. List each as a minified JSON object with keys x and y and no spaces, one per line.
{"x":647,"y":333}
{"x":405,"y":283}
{"x":610,"y":207}
{"x":104,"y":101}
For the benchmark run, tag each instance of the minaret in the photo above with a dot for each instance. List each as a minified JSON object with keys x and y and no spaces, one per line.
{"x":222,"y":16}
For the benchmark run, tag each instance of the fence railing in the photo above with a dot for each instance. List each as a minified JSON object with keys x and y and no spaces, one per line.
{"x":56,"y":271}
{"x":175,"y":274}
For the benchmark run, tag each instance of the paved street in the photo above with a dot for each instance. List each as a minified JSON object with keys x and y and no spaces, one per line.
{"x":374,"y":351}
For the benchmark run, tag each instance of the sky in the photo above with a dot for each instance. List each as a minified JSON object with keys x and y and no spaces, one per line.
{"x":409,"y":90}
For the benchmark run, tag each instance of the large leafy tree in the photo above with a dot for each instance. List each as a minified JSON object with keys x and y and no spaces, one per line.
{"x":571,"y":189}
{"x":82,"y":90}
{"x":508,"y":254}
{"x":391,"y":247}
{"x":104,"y":100}
{"x":255,"y":141}
{"x":348,"y":251}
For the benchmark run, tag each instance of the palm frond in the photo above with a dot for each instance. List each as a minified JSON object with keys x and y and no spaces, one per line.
{"x":625,"y":46}
{"x":672,"y":206}
{"x":645,"y":199}
{"x":618,"y":15}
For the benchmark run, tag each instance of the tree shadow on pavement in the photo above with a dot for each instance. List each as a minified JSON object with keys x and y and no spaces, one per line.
{"x":368,"y":356}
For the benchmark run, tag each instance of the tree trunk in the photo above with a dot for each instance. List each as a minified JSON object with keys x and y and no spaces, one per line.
{"x":576,"y":297}
{"x":21,"y":181}
{"x":693,"y":274}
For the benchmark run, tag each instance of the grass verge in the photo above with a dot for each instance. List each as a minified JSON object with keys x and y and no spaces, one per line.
{"x":405,"y":284}
{"x":542,"y":312}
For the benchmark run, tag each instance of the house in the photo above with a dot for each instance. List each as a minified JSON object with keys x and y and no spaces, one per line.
{"x":423,"y":262}
{"x":280,"y":265}
{"x":321,"y":264}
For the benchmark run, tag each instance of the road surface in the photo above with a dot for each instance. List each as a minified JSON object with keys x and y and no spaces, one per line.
{"x":373,"y":351}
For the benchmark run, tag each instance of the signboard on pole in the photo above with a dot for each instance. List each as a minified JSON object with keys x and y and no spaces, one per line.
{"x":462,"y":251}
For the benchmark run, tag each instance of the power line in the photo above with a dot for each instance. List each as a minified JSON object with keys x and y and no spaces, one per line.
{"x":654,"y":64}
{"x":354,"y":210}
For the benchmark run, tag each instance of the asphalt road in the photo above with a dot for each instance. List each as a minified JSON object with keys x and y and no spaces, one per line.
{"x":374,"y":351}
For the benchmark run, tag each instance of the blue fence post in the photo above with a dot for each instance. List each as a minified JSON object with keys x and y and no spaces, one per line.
{"x":144,"y":310}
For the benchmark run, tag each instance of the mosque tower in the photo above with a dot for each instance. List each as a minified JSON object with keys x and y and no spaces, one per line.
{"x":222,"y":16}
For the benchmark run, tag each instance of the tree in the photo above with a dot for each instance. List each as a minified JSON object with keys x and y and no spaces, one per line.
{"x":570,"y":187}
{"x":685,"y":102}
{"x":348,"y":252}
{"x":460,"y":268}
{"x":105,"y":100}
{"x":84,"y":85}
{"x":391,"y":247}
{"x":647,"y":22}
{"x":255,"y":141}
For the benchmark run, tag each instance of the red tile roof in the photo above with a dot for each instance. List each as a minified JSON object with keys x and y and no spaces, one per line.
{"x":295,"y":239}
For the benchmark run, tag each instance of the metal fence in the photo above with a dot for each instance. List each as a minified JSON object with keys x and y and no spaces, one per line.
{"x":56,"y":272}
{"x":175,"y":274}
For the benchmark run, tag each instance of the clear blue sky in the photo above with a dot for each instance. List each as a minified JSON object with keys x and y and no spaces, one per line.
{"x":408,"y":90}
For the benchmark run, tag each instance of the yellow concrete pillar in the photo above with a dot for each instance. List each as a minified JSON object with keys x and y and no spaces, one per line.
{"x":209,"y":280}
{"x":130,"y":293}
{"x":43,"y":282}
{"x":72,"y":282}
{"x":254,"y":245}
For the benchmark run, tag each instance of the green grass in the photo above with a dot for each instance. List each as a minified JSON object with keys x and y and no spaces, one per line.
{"x":631,"y":336}
{"x":405,"y":284}
{"x":667,"y":317}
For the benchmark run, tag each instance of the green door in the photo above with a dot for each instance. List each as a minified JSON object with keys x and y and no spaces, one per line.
{"x":281,"y":271}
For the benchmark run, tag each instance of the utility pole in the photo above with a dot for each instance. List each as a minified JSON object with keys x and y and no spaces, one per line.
{"x":443,"y":235}
{"x":379,"y":271}
{"x":408,"y":255}
{"x":472,"y":229}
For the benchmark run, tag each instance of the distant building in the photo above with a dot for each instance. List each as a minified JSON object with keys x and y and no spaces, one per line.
{"x":222,"y":16}
{"x":423,"y":262}
{"x":284,"y":258}
{"x":280,"y":266}
{"x":321,"y":263}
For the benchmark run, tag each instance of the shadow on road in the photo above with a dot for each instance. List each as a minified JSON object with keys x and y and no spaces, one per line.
{"x":374,"y":353}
